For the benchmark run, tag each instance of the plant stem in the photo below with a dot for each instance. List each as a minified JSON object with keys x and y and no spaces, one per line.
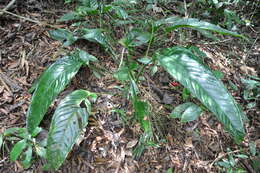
{"x":147,"y":52}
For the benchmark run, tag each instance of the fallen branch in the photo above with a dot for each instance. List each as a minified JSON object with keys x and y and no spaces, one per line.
{"x":7,"y":7}
{"x":29,"y":19}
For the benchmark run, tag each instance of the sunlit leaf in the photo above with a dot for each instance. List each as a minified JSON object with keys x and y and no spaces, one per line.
{"x":17,"y":149}
{"x":51,"y":83}
{"x":68,"y":121}
{"x":177,"y":22}
{"x":184,"y":67}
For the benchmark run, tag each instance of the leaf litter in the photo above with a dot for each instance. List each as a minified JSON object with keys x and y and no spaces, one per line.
{"x":107,"y":143}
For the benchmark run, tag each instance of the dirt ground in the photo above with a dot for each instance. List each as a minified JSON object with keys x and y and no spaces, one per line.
{"x":107,"y":144}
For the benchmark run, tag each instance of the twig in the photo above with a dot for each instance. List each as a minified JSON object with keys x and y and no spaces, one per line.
{"x":4,"y":84}
{"x":122,"y":57}
{"x":30,"y":20}
{"x":7,"y":7}
{"x":221,"y":156}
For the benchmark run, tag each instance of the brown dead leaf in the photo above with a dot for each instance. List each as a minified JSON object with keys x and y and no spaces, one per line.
{"x":131,"y":144}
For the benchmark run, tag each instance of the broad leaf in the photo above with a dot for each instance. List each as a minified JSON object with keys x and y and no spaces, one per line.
{"x":86,"y":57}
{"x":120,"y":12}
{"x":202,"y":83}
{"x":69,"y":16}
{"x":176,"y":22}
{"x":17,"y":149}
{"x":135,"y":38}
{"x":186,"y":112}
{"x":96,"y":36}
{"x":51,"y":83}
{"x":68,"y":121}
{"x":64,"y":36}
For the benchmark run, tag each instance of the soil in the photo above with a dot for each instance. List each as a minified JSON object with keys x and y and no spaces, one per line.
{"x":106,"y":146}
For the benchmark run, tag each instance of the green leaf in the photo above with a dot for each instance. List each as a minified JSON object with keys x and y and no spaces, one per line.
{"x":17,"y":149}
{"x":86,"y":57}
{"x":184,"y":67}
{"x":135,"y":38}
{"x":28,"y":157}
{"x":51,"y":83}
{"x":69,"y":16}
{"x":176,"y":22}
{"x":218,"y":74}
{"x":36,"y":131}
{"x":40,"y":151}
{"x":14,"y":130}
{"x":186,"y":112}
{"x":64,"y":36}
{"x":242,"y":156}
{"x":68,"y":121}
{"x":122,"y":74}
{"x":21,"y":132}
{"x":120,"y":12}
{"x":145,"y":60}
{"x":96,"y":36}
{"x":252,"y":148}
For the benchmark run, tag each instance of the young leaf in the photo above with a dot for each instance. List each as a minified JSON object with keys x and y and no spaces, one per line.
{"x":184,"y":67}
{"x":51,"y":83}
{"x":176,"y":22}
{"x":17,"y":149}
{"x":68,"y":121}
{"x":186,"y":112}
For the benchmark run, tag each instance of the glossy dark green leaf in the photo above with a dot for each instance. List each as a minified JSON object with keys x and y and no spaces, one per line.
{"x":177,"y":22}
{"x":184,"y":67}
{"x":28,"y":157}
{"x":51,"y":83}
{"x":96,"y":36}
{"x":17,"y":149}
{"x":186,"y":112}
{"x":63,"y":35}
{"x":68,"y":121}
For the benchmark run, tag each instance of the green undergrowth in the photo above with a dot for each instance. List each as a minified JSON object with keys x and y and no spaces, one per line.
{"x":139,"y":37}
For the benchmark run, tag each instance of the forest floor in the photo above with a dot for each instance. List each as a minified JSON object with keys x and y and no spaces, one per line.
{"x":26,"y":50}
